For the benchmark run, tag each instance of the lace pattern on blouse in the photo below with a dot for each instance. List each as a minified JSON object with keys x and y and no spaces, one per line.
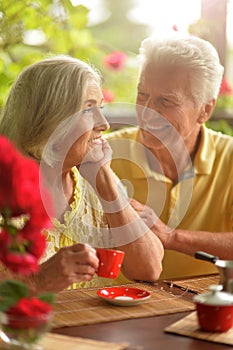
{"x":82,"y":224}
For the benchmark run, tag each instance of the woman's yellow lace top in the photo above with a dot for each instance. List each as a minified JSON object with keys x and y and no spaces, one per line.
{"x":81,"y":224}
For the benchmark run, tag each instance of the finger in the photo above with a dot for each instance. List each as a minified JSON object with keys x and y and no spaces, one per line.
{"x":82,"y":247}
{"x":86,"y":258}
{"x":81,"y":278}
{"x":136,"y":205}
{"x":82,"y":269}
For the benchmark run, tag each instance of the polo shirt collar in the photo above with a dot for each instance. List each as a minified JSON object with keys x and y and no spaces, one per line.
{"x":203,"y":161}
{"x":205,"y":156}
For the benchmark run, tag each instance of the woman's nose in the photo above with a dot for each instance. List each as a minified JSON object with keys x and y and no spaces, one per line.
{"x":101,"y":122}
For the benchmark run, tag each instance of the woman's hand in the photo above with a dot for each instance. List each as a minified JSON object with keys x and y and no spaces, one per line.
{"x":93,"y":165}
{"x":69,"y":265}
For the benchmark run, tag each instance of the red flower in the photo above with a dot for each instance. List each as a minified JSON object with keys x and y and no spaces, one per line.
{"x":28,"y":313}
{"x":19,"y":185}
{"x":20,"y":196}
{"x":23,"y":263}
{"x":225,"y":88}
{"x":108,"y":95}
{"x":21,"y":253}
{"x":37,"y":245}
{"x":115,"y":60}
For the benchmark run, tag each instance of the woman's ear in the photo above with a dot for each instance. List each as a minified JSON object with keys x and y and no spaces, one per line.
{"x":206,"y":111}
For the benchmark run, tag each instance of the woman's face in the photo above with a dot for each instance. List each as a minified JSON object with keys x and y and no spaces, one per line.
{"x":165,"y":108}
{"x":90,"y":125}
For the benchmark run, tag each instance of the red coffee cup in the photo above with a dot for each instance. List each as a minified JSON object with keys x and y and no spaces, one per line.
{"x":110,"y":262}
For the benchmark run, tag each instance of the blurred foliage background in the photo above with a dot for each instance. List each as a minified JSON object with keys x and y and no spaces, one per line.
{"x":34,"y":29}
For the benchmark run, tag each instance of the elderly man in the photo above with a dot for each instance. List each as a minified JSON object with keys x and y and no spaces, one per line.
{"x":179,"y":173}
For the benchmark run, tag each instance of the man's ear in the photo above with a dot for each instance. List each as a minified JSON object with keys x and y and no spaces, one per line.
{"x":206,"y":111}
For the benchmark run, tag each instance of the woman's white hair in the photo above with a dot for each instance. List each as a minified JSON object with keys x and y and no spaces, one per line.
{"x":43,"y":97}
{"x":198,"y":55}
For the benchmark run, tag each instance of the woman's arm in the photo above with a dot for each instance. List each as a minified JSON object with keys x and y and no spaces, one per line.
{"x":143,"y":250}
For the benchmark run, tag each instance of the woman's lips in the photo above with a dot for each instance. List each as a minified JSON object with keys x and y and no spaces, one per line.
{"x":96,"y":141}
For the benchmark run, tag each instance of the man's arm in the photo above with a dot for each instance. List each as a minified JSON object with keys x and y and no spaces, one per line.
{"x":187,"y":241}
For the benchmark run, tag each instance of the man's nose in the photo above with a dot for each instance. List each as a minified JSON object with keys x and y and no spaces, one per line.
{"x":149,"y":114}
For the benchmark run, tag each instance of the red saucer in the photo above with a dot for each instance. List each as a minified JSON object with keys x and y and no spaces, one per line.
{"x":124,"y":296}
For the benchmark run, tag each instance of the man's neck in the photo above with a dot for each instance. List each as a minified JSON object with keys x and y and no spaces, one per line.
{"x":173,"y":162}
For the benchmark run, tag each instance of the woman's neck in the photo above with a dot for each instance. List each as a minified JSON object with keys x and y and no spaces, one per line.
{"x":68,"y":185}
{"x":60,"y":184}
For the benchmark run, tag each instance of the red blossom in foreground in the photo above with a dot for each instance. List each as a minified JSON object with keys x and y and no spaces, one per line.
{"x":20,"y":247}
{"x":22,"y":243}
{"x":225,"y":88}
{"x":23,"y":263}
{"x":37,"y":243}
{"x":108,"y":95}
{"x":28,"y":313}
{"x":115,"y":60}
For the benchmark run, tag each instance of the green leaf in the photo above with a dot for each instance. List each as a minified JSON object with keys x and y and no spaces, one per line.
{"x":79,"y":17}
{"x":11,"y":292}
{"x":47,"y":297}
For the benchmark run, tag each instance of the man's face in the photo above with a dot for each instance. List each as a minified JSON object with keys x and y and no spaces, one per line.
{"x":165,"y":108}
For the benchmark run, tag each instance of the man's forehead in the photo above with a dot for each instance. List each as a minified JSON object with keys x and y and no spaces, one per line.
{"x":167,"y":78}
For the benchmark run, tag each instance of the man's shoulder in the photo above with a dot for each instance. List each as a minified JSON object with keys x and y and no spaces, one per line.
{"x":129,"y":133}
{"x":121,"y":141}
{"x":221,"y":141}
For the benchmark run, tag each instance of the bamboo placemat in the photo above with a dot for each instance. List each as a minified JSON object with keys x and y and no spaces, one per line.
{"x":188,"y":326}
{"x":60,"y":342}
{"x":196,"y":284}
{"x":83,"y":306}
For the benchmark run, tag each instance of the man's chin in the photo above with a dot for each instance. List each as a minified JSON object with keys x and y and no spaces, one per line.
{"x":167,"y":140}
{"x":151,"y":141}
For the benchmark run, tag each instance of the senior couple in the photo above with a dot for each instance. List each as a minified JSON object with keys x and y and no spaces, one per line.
{"x":180,"y":173}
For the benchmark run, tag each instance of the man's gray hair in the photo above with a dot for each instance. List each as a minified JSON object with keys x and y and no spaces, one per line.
{"x":198,"y":55}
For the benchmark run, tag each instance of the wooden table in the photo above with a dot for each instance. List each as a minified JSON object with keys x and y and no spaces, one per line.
{"x":145,"y":333}
{"x":142,"y":334}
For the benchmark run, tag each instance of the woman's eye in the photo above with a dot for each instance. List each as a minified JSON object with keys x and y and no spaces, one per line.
{"x":87,"y":110}
{"x":91,"y":109}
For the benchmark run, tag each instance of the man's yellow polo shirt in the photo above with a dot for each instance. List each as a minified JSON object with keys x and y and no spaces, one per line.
{"x":202,"y":200}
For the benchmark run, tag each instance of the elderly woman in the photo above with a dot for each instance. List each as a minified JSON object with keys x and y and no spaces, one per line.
{"x":179,"y":168}
{"x":53,"y":115}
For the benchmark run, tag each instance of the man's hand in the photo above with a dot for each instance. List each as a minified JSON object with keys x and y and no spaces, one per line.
{"x":152,"y":221}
